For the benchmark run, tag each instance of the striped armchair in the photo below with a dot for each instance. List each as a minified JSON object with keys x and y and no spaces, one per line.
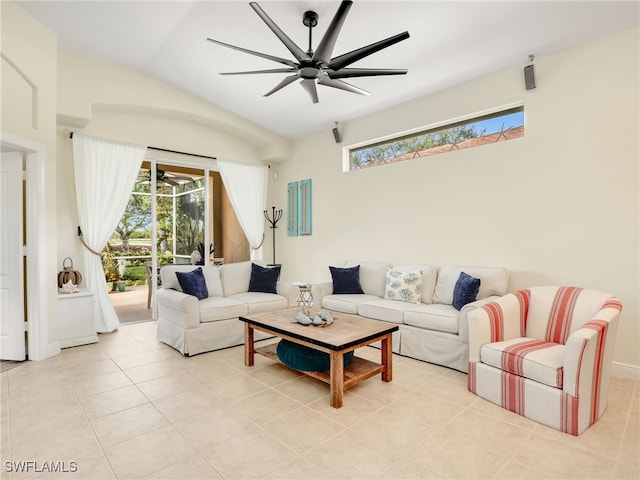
{"x":545,"y":353}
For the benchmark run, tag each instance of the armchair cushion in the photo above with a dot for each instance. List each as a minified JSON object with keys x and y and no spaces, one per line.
{"x":538,"y":360}
{"x":193,"y":283}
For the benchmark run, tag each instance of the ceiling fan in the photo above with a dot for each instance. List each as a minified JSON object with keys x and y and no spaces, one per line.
{"x":319,"y":66}
{"x":166,"y":178}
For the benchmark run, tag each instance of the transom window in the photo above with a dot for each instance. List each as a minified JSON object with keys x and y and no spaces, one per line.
{"x":473,"y":132}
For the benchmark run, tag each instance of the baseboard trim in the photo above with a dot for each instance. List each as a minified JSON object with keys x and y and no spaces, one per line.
{"x":625,"y":371}
{"x":53,"y":349}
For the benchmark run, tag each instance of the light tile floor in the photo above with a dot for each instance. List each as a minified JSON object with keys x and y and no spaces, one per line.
{"x":130,"y":407}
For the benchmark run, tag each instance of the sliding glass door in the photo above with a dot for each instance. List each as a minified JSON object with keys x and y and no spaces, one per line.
{"x":166,"y":222}
{"x":177,"y":214}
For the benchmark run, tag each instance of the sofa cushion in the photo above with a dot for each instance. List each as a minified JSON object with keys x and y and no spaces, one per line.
{"x":263,"y":279}
{"x":493,"y":281}
{"x":193,"y":283}
{"x":305,"y":359}
{"x":235,"y":277}
{"x":258,"y":302}
{"x":211,"y":276}
{"x":346,"y":303}
{"x":372,"y":276}
{"x":386,"y":310}
{"x":429,"y":276}
{"x":438,"y":317}
{"x":531,"y":358}
{"x":403,"y":286}
{"x":220,"y":308}
{"x":466,"y":290}
{"x":346,"y":280}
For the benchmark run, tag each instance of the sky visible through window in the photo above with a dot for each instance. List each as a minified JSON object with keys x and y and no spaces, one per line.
{"x":500,"y":126}
{"x":496,"y":124}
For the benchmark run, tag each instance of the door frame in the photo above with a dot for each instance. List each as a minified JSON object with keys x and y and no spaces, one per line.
{"x":154,"y":160}
{"x":37,"y":280}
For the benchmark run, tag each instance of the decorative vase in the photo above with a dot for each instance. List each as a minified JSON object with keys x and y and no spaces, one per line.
{"x":121,"y":286}
{"x":195,"y":257}
{"x":68,"y":273}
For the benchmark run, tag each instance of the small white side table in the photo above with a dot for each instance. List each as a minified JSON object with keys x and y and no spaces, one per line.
{"x":76,"y":323}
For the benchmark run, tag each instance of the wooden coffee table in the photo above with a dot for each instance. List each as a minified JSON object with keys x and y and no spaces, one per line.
{"x":346,"y":333}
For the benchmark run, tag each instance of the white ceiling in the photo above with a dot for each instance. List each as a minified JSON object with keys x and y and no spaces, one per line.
{"x":451,"y":42}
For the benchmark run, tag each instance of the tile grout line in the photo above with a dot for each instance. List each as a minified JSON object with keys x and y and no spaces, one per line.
{"x":86,"y":418}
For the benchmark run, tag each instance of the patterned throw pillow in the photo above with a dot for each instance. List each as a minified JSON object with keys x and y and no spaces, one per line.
{"x":403,"y":286}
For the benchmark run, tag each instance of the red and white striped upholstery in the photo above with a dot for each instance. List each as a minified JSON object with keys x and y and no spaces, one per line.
{"x":545,"y":353}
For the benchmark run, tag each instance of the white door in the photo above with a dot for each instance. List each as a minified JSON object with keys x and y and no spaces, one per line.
{"x":12,"y":340}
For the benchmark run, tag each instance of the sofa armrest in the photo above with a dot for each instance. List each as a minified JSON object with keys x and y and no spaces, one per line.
{"x":288,"y":290}
{"x":319,"y":290}
{"x":501,"y":319}
{"x":588,"y":351}
{"x":178,"y":308}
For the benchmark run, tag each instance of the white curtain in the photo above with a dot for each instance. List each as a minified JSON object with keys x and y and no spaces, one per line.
{"x":246,"y":186}
{"x":105,"y":172}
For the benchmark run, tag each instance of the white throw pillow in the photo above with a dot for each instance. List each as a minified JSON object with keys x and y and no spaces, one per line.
{"x":403,"y":286}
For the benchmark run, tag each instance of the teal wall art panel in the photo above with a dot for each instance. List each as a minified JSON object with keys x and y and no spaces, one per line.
{"x":304,"y":207}
{"x":292,"y":209}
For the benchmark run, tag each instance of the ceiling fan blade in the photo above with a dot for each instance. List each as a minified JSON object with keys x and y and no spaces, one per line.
{"x":342,"y":61}
{"x":273,"y":70}
{"x":286,"y":81}
{"x":325,"y":47}
{"x":364,"y":72}
{"x":168,"y":181}
{"x":328,"y":82}
{"x":309,"y":85}
{"x":291,"y":63}
{"x":291,"y":46}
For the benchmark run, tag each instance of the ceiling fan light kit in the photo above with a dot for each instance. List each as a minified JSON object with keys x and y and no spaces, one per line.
{"x":318,"y":67}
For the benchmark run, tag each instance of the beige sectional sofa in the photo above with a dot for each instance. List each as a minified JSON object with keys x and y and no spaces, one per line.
{"x":194,"y":326}
{"x":431,"y":330}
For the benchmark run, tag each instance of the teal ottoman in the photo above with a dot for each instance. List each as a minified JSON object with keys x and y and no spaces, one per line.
{"x":306,"y":359}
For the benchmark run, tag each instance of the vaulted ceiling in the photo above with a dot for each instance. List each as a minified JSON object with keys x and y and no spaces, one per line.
{"x":451,"y":42}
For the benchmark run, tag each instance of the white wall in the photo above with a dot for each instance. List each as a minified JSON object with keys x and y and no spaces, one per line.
{"x":29,"y":53}
{"x":104,"y":100}
{"x":559,"y":206}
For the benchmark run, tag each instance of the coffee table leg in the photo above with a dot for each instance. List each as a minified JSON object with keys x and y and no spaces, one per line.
{"x":249,"y":347}
{"x":337,"y":379}
{"x":387,"y":356}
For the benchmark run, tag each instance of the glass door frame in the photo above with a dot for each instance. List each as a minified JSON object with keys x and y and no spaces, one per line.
{"x":154,"y":161}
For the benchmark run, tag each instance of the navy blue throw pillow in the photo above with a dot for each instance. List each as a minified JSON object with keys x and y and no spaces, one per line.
{"x":346,"y":280}
{"x":466,"y":290}
{"x":193,"y":283}
{"x":263,"y":279}
{"x":305,"y":359}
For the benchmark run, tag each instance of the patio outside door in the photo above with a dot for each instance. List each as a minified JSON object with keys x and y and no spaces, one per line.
{"x":167,"y":220}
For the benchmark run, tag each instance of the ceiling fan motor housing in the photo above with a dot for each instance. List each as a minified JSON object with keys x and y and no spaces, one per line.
{"x":310,"y":19}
